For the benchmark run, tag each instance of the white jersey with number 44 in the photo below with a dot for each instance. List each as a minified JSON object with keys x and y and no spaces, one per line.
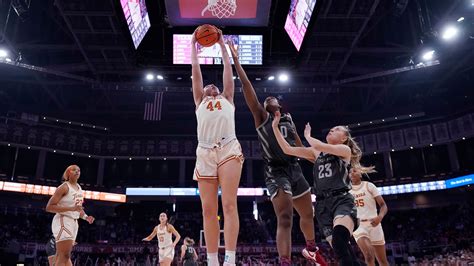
{"x":215,"y":119}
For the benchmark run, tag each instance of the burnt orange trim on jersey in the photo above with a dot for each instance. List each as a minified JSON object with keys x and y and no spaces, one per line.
{"x":360,"y":235}
{"x":198,"y":176}
{"x":230,"y":159}
{"x":377,"y":243}
{"x":63,"y":229}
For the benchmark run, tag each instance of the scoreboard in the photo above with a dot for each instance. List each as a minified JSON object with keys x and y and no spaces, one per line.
{"x":250,"y":49}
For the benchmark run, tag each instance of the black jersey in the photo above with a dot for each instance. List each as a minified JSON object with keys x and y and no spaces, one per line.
{"x":271,"y":150}
{"x":330,"y":173}
{"x":189,"y":254}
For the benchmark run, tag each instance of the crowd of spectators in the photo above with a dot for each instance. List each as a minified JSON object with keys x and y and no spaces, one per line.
{"x":431,"y":236}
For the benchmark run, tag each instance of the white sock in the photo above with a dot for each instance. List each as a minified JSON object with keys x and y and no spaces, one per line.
{"x":212,"y":259}
{"x":230,"y":257}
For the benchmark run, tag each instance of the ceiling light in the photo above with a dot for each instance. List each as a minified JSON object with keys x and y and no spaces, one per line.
{"x":283,"y":77}
{"x":449,"y":33}
{"x":150,"y":77}
{"x":427,"y":56}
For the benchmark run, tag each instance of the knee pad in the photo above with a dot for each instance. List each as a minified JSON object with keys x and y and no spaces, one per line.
{"x":340,"y":241}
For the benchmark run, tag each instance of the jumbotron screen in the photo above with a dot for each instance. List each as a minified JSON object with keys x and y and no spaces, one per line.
{"x":250,"y":49}
{"x":298,"y":19}
{"x":137,"y":18}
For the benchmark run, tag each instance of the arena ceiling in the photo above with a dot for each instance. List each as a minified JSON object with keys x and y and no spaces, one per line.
{"x":352,"y":66}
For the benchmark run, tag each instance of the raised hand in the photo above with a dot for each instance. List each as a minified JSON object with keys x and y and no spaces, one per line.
{"x":233,"y":50}
{"x":307,"y":130}
{"x":193,"y":39}
{"x":276,"y":119}
{"x":221,"y":37}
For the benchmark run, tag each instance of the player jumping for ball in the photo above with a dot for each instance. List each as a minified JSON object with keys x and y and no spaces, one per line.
{"x":219,"y":156}
{"x":283,"y":175}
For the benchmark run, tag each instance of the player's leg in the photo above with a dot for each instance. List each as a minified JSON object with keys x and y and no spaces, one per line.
{"x":345,"y":220}
{"x":283,"y":206}
{"x":303,"y":205}
{"x":63,"y":253}
{"x":381,"y":255}
{"x":208,"y":193}
{"x":166,"y":262}
{"x":378,"y":243}
{"x":229,"y":179}
{"x":324,"y":218}
{"x":366,"y":247}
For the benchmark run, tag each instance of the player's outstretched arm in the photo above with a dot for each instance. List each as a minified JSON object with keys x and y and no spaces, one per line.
{"x":227,"y":75}
{"x":152,"y":235}
{"x":259,"y":114}
{"x":198,"y":87}
{"x":340,"y":150}
{"x":293,"y":130}
{"x":303,"y":152}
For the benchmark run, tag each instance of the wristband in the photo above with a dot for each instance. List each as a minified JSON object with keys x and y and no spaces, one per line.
{"x":85,"y":217}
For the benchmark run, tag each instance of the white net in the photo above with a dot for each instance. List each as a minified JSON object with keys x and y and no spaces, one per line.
{"x":221,"y":8}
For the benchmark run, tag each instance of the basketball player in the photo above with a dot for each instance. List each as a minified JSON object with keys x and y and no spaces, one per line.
{"x":66,"y":203}
{"x":219,"y":156}
{"x":369,"y":236}
{"x":166,"y":246}
{"x":188,"y":253}
{"x":283,"y":175}
{"x":51,"y":250}
{"x":335,"y":209}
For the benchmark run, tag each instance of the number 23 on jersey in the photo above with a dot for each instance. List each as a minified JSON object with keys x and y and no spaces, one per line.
{"x":211,"y":106}
{"x":325,"y":170}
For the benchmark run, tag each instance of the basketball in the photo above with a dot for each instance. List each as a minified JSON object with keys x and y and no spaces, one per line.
{"x":207,"y":35}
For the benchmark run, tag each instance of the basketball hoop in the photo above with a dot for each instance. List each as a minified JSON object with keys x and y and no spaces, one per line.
{"x":220,"y":8}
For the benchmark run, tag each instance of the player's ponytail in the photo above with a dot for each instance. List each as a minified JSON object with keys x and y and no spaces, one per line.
{"x":189,"y":241}
{"x":356,"y":154}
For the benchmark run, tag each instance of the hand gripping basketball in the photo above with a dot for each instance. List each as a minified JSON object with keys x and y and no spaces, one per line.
{"x":207,"y":35}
